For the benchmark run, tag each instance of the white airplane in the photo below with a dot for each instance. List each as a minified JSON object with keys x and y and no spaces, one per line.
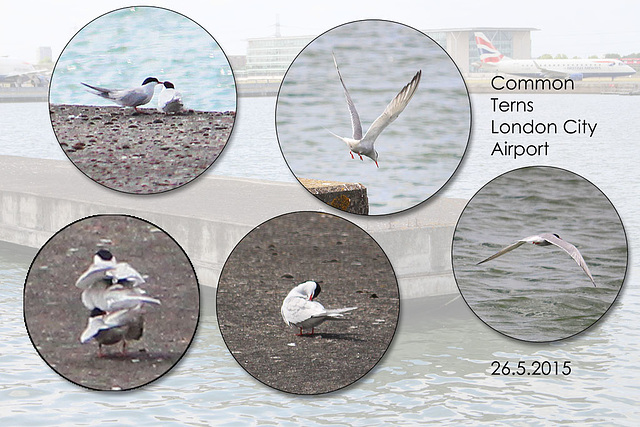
{"x":15,"y":73}
{"x":576,"y":69}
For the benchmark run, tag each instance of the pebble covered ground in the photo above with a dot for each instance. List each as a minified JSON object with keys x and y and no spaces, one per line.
{"x":55,"y":316}
{"x":277,"y":256}
{"x":143,"y":153}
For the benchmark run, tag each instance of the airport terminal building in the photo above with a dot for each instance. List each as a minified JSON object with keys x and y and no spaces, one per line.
{"x":460,"y":43}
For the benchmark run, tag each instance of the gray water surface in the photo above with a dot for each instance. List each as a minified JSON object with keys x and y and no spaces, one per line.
{"x":438,"y":368}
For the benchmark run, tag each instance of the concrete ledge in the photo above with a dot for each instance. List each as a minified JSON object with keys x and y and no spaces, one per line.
{"x":211,"y":215}
{"x":348,"y":197}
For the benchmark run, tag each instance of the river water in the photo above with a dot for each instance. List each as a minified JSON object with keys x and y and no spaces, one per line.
{"x":438,"y":367}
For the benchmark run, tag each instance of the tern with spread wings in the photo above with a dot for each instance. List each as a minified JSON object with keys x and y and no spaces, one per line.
{"x":546,"y":239}
{"x":364,"y":145}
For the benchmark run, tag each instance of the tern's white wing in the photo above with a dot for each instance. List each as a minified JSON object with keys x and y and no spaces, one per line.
{"x":115,"y":297}
{"x":393,"y":110}
{"x":131,"y":97}
{"x":94,"y":274}
{"x":296,"y":310}
{"x":123,"y":272}
{"x":571,"y":250}
{"x":108,"y":321}
{"x":504,"y":250}
{"x":355,"y":119}
{"x":170,"y":101}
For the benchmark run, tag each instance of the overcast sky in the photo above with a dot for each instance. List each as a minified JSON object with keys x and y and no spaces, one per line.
{"x":573,"y":28}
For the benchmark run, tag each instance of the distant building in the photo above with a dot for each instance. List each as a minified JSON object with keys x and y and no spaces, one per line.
{"x":44,"y":54}
{"x":460,"y":43}
{"x":260,"y":72}
{"x":270,"y":57}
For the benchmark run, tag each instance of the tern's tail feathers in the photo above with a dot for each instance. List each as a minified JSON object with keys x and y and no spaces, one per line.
{"x":337,"y":136}
{"x":100,"y":90}
{"x":337,"y":313}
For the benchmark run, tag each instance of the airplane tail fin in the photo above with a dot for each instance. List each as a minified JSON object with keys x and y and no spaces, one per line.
{"x":488,"y":53}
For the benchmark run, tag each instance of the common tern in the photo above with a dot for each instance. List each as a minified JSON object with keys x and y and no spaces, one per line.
{"x":546,"y":239}
{"x":364,"y":145}
{"x":133,"y":97}
{"x":111,"y":328}
{"x":169,"y":100}
{"x":106,"y":268}
{"x":300,"y":310}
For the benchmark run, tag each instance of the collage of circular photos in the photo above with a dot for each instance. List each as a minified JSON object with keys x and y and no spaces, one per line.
{"x":306,"y":302}
{"x":539,"y":254}
{"x":311,"y":311}
{"x":377,"y":103}
{"x":111,"y":302}
{"x":148,"y":117}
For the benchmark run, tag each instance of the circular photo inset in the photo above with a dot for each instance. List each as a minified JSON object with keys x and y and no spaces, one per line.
{"x":307,"y":303}
{"x":539,"y":254}
{"x":142,"y":100}
{"x":375,"y":103}
{"x":111,"y":302}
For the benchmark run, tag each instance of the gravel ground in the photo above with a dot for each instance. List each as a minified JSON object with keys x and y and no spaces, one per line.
{"x":143,"y":153}
{"x":55,"y":316}
{"x":352,"y":271}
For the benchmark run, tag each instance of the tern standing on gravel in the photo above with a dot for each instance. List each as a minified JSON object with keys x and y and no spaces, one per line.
{"x":364,"y":145}
{"x":300,"y":310}
{"x":133,"y":97}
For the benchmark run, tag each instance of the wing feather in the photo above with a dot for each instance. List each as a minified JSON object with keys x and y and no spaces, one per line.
{"x":504,"y":251}
{"x":355,"y":119}
{"x":393,"y":110}
{"x":572,"y":251}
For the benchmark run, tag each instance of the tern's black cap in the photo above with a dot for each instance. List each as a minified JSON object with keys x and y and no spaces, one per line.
{"x":104,"y":254}
{"x":150,"y":80}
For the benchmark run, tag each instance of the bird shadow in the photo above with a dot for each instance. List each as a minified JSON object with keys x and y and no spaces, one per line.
{"x":333,"y":336}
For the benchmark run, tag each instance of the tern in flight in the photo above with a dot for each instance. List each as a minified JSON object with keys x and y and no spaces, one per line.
{"x":300,"y":310}
{"x":546,"y":239}
{"x":364,"y":145}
